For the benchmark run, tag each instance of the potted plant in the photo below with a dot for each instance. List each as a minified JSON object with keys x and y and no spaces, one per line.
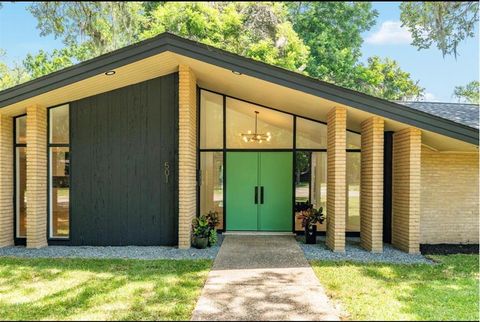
{"x":310,"y":218}
{"x":212,"y":219}
{"x":201,"y":232}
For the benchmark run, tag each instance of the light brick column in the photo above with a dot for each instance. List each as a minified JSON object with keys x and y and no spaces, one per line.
{"x":36,"y":176}
{"x":371,"y":185}
{"x":336,"y":178}
{"x":406,"y":190}
{"x":6,"y":181}
{"x":187,"y":187}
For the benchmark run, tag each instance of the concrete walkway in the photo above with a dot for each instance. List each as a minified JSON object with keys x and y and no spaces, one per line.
{"x":262,"y":278}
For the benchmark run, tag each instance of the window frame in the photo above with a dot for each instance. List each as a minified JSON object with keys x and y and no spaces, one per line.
{"x":18,"y":240}
{"x":50,"y":145}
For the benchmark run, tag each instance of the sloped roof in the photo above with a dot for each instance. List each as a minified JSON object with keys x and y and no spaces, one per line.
{"x":167,"y":42}
{"x":462,"y":113}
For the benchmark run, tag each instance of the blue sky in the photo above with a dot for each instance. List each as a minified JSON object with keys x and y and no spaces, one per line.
{"x":438,"y":75}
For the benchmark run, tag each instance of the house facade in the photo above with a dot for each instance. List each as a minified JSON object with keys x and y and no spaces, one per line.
{"x":125,"y":149}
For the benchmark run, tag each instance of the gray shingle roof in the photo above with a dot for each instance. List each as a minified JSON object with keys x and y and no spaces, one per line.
{"x":466,"y":114}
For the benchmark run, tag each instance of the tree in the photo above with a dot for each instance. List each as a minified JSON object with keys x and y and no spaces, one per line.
{"x":444,"y":24}
{"x":11,"y":76}
{"x":257,"y":30}
{"x":333,"y":31}
{"x":469,"y":93}
{"x":99,"y":27}
{"x":45,"y":63}
{"x":384,"y":78}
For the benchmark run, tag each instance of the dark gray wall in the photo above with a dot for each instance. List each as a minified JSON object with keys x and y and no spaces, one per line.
{"x":120,"y":141}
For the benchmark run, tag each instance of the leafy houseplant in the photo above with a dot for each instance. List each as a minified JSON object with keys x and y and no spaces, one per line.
{"x":204,"y":232}
{"x":310,"y":217}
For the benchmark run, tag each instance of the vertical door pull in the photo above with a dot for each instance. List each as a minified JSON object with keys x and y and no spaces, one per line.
{"x":166,"y":166}
{"x":255,"y":197}
{"x":261,"y":195}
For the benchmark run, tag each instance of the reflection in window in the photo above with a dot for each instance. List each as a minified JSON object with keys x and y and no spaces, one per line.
{"x":353,"y":140}
{"x":21,"y":130}
{"x":311,"y":135}
{"x":60,"y":191}
{"x":311,"y":183}
{"x":211,"y":121}
{"x":21,"y":190}
{"x":353,"y":198}
{"x":211,"y":185}
{"x":241,"y":119}
{"x":59,"y":125}
{"x":59,"y":176}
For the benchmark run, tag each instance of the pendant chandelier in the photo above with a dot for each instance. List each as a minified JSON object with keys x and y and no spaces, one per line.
{"x":255,"y":136}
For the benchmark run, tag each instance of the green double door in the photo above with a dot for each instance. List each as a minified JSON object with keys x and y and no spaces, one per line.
{"x":259,"y":191}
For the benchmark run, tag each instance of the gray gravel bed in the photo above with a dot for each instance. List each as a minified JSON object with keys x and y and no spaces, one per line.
{"x":111,"y":252}
{"x":354,"y":253}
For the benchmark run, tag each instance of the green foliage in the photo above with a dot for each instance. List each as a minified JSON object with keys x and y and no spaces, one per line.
{"x":384,"y":78}
{"x":332,"y":30}
{"x":10,"y":77}
{"x":256,"y":30}
{"x":201,"y":227}
{"x":322,"y":39}
{"x":98,"y":26}
{"x":469,"y":93}
{"x":445,"y":24}
{"x":45,"y":63}
{"x":311,"y":217}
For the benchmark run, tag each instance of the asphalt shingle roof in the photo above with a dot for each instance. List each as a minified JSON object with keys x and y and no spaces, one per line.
{"x":466,"y":114}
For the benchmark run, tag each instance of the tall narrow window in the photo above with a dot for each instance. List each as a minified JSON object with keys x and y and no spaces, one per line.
{"x":20,"y":177}
{"x":59,"y":174}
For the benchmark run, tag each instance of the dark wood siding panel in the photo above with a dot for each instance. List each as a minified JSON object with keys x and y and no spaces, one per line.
{"x":120,"y":143}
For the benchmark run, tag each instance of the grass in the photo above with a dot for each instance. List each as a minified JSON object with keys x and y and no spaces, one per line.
{"x":92,"y":289}
{"x":446,"y":291}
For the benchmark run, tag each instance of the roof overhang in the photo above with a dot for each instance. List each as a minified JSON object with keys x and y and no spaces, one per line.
{"x":258,"y":82}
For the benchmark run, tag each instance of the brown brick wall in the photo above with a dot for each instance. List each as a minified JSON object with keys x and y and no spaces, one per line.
{"x":187,"y":189}
{"x":6,"y":181}
{"x":336,"y":178}
{"x":371,"y":194}
{"x":449,"y":197}
{"x":406,"y":190}
{"x":36,"y":176}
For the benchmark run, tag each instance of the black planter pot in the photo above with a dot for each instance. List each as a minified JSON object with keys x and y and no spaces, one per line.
{"x":200,"y":242}
{"x":311,"y":235}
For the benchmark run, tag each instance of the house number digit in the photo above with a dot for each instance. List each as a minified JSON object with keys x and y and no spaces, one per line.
{"x":167,"y":171}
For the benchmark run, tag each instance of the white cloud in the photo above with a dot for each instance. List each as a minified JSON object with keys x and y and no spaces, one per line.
{"x":390,"y":32}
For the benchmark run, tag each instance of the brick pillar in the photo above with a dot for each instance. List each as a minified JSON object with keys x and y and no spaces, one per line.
{"x":371,"y":185}
{"x":36,"y":176}
{"x":187,"y":188}
{"x":406,"y":190}
{"x":6,"y":181}
{"x":336,"y":178}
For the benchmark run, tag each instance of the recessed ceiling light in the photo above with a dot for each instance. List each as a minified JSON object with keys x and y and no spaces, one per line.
{"x":110,"y":73}
{"x":236,"y":72}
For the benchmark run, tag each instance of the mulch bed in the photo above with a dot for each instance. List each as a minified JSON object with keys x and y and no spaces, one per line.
{"x":449,"y":249}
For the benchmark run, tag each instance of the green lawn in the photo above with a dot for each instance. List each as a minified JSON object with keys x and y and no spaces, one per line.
{"x":78,"y":289}
{"x":447,"y":291}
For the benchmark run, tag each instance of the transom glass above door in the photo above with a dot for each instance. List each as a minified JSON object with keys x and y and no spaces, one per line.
{"x":242,"y":118}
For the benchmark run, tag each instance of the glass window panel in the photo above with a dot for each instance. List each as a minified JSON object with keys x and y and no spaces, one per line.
{"x":353,"y":140}
{"x":211,"y":186}
{"x":353,"y":186}
{"x":211,"y":121}
{"x":241,"y":119}
{"x":311,"y":135}
{"x":59,"y":192}
{"x":311,"y":183}
{"x":21,"y":130}
{"x":59,"y":125}
{"x":21,"y":187}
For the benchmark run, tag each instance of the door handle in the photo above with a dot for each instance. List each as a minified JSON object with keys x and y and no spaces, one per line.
{"x":255,"y":196}
{"x":261,"y":195}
